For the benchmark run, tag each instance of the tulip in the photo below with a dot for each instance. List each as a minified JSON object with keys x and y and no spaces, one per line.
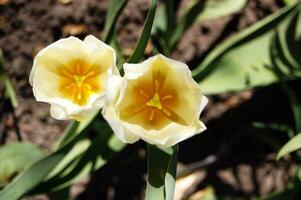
{"x":156,"y":101}
{"x":71,"y":75}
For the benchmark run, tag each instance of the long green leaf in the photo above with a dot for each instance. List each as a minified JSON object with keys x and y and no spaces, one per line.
{"x":241,"y":62}
{"x":197,"y":11}
{"x":31,"y":177}
{"x":186,"y":20}
{"x":102,"y":148}
{"x":161,"y":170}
{"x":292,"y":145}
{"x":214,"y":9}
{"x":143,"y":40}
{"x":113,"y":13}
{"x":15,"y":158}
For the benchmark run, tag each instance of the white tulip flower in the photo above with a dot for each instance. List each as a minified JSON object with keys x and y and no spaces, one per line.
{"x":156,"y":101}
{"x":71,"y":75}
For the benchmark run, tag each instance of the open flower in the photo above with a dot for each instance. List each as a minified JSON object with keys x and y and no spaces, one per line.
{"x":157,"y":101}
{"x":71,"y":75}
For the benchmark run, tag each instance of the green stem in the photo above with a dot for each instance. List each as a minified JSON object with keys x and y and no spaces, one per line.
{"x":161,"y":169}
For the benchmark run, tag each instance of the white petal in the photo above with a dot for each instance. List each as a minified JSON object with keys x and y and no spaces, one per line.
{"x":58,"y":112}
{"x":113,"y":87}
{"x":116,"y":124}
{"x":73,"y":44}
{"x":133,"y":71}
{"x":94,"y":44}
{"x":204,"y":102}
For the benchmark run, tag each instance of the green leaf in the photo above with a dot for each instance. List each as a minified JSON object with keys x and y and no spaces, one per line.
{"x":86,"y":156}
{"x":15,"y":158}
{"x":141,"y":45}
{"x":75,"y":127}
{"x":242,"y":61}
{"x":295,"y":106}
{"x":31,"y":177}
{"x":214,"y":9}
{"x":113,"y":13}
{"x":161,"y":167}
{"x":185,"y":21}
{"x":292,"y":145}
{"x":9,"y":89}
{"x":289,"y":1}
{"x":196,"y":11}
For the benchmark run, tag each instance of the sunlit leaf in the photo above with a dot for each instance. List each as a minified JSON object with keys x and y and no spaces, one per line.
{"x":32,"y":176}
{"x":289,"y":1}
{"x":196,"y":11}
{"x":15,"y":158}
{"x":86,"y":156}
{"x":292,"y":145}
{"x":214,"y":9}
{"x":244,"y":61}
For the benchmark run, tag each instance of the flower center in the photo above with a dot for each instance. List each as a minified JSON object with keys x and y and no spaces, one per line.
{"x":155,"y":102}
{"x":79,"y":81}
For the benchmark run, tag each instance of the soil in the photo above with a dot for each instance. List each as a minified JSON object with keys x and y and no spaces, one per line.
{"x":246,"y":165}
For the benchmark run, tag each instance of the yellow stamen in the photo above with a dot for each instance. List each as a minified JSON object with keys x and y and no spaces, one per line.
{"x":166,"y":112}
{"x":166,"y":97}
{"x":152,"y":115}
{"x":88,"y":86}
{"x":66,"y":73}
{"x":138,"y":109}
{"x":144,"y":94}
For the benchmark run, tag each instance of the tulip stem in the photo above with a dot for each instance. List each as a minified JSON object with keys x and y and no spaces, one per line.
{"x":161,"y":168}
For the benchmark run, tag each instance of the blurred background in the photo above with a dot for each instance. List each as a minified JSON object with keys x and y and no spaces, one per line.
{"x":234,"y":159}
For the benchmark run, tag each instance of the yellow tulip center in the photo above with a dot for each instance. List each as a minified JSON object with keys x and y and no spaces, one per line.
{"x":79,"y":80}
{"x":158,"y":98}
{"x":155,"y":102}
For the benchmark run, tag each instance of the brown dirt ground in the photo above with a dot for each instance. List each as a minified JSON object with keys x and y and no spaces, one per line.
{"x":246,"y":170}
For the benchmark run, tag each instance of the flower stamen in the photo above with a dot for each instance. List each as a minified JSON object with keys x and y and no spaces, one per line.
{"x":152,"y":115}
{"x":138,"y":109}
{"x":144,"y":94}
{"x":166,"y":112}
{"x":166,"y":97}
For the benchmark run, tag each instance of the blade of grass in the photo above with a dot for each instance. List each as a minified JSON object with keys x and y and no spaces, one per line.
{"x":113,"y":13}
{"x":141,"y":45}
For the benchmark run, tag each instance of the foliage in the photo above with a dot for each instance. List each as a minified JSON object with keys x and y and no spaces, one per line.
{"x":244,"y":61}
{"x":15,"y":158}
{"x":265,"y":53}
{"x":9,"y":89}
